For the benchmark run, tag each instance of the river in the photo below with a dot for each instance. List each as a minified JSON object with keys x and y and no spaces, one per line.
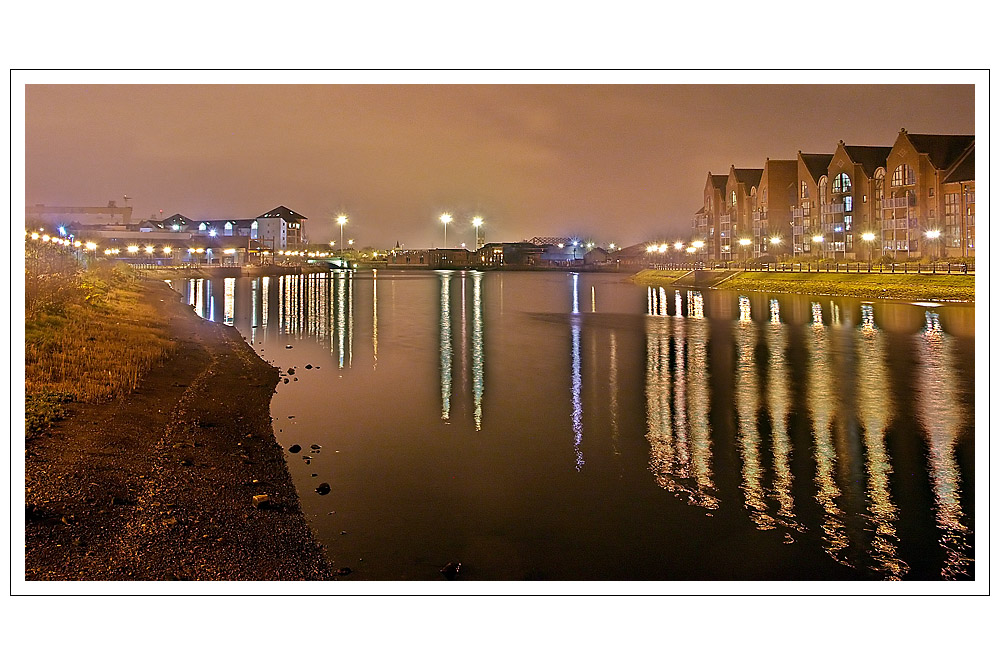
{"x":564,"y":426}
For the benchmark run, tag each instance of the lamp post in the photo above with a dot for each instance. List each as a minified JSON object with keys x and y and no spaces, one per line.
{"x":341,"y":220}
{"x":745,"y":243}
{"x":476,"y":223}
{"x":869,"y":238}
{"x":933,"y":235}
{"x":818,"y":240}
{"x":445,"y":219}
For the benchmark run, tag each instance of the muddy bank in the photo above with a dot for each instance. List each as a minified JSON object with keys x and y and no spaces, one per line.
{"x":160,"y":485}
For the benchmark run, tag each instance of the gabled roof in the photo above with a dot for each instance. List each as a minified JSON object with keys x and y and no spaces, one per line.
{"x":869,"y":157}
{"x":284,"y":212}
{"x":719,"y":182}
{"x":817,"y":164}
{"x":176,"y":218}
{"x":964,"y":169}
{"x":942,"y":149}
{"x":749,"y":177}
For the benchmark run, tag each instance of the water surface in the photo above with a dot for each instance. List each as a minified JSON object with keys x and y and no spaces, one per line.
{"x":561,"y":426}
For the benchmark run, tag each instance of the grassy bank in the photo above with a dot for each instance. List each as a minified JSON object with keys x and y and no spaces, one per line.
{"x":88,"y":338}
{"x":653,"y":278}
{"x":856,"y":285}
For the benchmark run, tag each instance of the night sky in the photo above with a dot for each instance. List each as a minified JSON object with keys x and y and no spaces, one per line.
{"x":611,"y":163}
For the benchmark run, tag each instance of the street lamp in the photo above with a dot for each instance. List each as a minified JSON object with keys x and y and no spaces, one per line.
{"x":476,"y":223}
{"x":869,"y":238}
{"x":445,"y":219}
{"x":818,"y":240}
{"x":745,"y":243}
{"x":341,"y":220}
{"x":934,"y":234}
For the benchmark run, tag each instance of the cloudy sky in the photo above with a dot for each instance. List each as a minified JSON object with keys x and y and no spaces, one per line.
{"x":615,"y":163}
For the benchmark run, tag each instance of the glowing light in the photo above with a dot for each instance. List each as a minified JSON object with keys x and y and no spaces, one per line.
{"x":212,"y":233}
{"x":678,"y":245}
{"x":34,"y":235}
{"x":817,"y":239}
{"x":229,"y":251}
{"x":775,"y":240}
{"x":698,"y":244}
{"x":477,"y":221}
{"x":692,"y":250}
{"x":149,"y":249}
{"x":745,"y":241}
{"x":45,"y":238}
{"x":77,"y":244}
{"x":868,"y":236}
{"x":445,"y":218}
{"x":166,"y":250}
{"x":341,"y":220}
{"x":933,"y":234}
{"x":649,"y":248}
{"x":91,"y":246}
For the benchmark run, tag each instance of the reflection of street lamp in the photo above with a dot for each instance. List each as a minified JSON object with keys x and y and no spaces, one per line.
{"x":445,"y":219}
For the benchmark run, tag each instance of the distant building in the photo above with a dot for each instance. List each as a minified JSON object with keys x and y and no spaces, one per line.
{"x":811,"y":170}
{"x":772,"y":205}
{"x":496,"y":255}
{"x":914,"y":199}
{"x":931,"y":189}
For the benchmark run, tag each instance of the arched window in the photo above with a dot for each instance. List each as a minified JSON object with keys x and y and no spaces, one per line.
{"x":202,"y":227}
{"x":822,"y":191}
{"x":229,"y":229}
{"x":879,"y":186}
{"x":253,"y":230}
{"x":841,"y":183}
{"x":733,"y":198}
{"x":804,"y":190}
{"x":903,"y":176}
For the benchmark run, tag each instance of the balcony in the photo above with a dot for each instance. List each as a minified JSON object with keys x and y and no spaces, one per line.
{"x":828,"y":209}
{"x":899,"y":202}
{"x":725,"y":219}
{"x":798,"y":213}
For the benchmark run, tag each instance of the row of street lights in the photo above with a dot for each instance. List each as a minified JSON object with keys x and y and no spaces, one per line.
{"x":447,"y":219}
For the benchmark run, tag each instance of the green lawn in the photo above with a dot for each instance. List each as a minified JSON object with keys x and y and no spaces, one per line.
{"x":907,"y":286}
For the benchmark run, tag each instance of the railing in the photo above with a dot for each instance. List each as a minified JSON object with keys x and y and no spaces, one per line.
{"x":899,"y":202}
{"x":725,"y":219}
{"x":864,"y":267}
{"x":798,"y":213}
{"x":832,"y":208}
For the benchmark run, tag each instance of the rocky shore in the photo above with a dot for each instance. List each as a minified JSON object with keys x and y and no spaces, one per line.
{"x":161,"y":485}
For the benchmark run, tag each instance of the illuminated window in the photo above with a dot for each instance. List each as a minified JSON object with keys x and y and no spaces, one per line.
{"x":804,"y":190}
{"x":903,"y":176}
{"x":822,"y":191}
{"x":842,"y":183}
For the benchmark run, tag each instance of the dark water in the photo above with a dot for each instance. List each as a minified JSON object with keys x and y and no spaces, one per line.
{"x":559,"y":426}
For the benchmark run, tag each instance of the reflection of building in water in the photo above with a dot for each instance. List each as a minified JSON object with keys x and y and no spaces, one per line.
{"x":940,"y":414}
{"x":778,"y":401}
{"x":746,"y":408}
{"x":478,"y":350}
{"x":677,"y":404}
{"x":374,"y":319}
{"x":577,"y":381}
{"x":875,"y":410}
{"x":822,"y":400}
{"x":230,"y":295}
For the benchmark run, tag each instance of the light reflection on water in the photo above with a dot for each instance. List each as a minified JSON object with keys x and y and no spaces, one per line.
{"x":941,"y":416}
{"x":811,"y":396}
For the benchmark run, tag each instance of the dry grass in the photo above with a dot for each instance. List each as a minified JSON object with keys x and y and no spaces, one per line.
{"x":89,"y":339}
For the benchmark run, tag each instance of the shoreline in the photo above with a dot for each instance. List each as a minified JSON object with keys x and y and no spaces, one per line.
{"x":159,"y":485}
{"x":957,"y":289}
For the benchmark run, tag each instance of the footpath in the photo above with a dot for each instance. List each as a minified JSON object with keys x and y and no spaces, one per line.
{"x":161,"y":485}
